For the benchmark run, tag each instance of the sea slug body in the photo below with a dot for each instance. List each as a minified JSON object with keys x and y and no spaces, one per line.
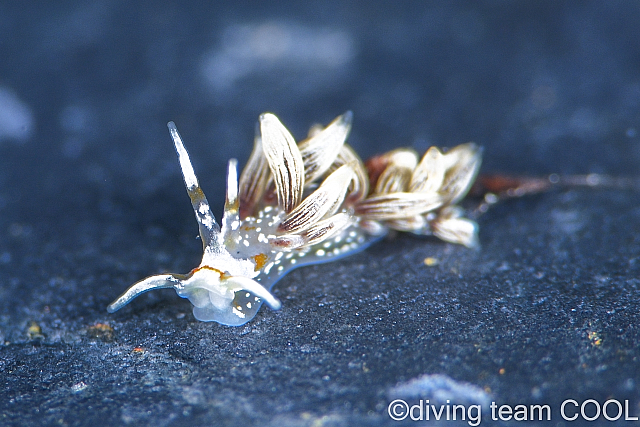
{"x":309,"y":202}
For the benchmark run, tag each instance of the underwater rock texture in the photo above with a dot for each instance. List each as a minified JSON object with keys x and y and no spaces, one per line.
{"x":91,"y":200}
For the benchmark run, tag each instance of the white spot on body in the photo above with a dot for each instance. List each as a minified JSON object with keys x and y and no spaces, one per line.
{"x":208,"y":221}
{"x":268,"y":267}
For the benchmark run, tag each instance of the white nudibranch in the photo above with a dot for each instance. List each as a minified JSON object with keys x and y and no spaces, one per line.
{"x":310,"y":202}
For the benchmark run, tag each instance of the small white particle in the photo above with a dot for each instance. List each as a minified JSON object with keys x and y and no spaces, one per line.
{"x":268,"y":267}
{"x":327,"y":244}
{"x":289,"y":255}
{"x":246,"y":243}
{"x":280,"y":268}
{"x":320,"y":252}
{"x":352,"y":234}
{"x":247,"y":295}
{"x":256,"y":299}
{"x":279,"y":255}
{"x":293,"y":261}
{"x":77,"y":388}
{"x":249,"y":305}
{"x":338,"y":239}
{"x":203,"y":209}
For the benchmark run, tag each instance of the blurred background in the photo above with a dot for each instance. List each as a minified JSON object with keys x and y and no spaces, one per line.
{"x":86,"y":88}
{"x":91,"y":197}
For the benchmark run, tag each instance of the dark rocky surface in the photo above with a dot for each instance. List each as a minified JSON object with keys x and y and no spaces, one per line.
{"x":91,"y":200}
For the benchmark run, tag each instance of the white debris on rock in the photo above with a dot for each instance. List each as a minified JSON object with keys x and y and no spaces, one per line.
{"x":16,"y":118}
{"x":441,"y":388}
{"x":249,"y":49}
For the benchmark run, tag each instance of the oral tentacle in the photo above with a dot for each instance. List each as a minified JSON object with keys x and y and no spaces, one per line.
{"x":163,"y":281}
{"x":239,"y":283}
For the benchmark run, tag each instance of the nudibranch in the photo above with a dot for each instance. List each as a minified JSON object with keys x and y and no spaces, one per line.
{"x":310,"y":202}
